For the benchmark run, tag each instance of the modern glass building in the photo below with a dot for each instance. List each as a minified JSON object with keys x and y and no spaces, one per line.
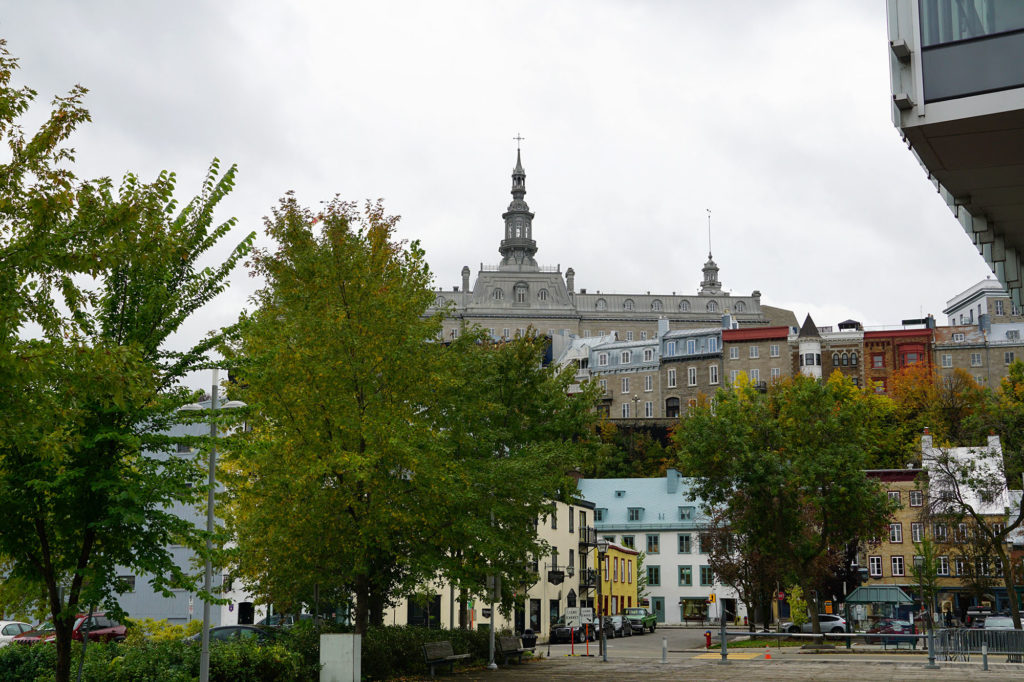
{"x":957,"y":70}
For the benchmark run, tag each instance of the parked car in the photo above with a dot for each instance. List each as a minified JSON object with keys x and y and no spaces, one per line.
{"x":999,"y":623}
{"x":227,"y":633}
{"x":561,"y":632}
{"x":99,"y":626}
{"x":640,"y":619}
{"x":619,"y":626}
{"x":827,"y":621}
{"x":9,"y":629}
{"x":42,"y":632}
{"x":888,"y":626}
{"x":976,"y":616}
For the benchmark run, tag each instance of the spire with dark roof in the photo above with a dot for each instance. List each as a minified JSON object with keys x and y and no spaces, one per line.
{"x":808,"y":330}
{"x":518,"y":247}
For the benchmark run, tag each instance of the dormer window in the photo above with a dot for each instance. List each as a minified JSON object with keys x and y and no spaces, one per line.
{"x":635,"y":514}
{"x":602,"y":304}
{"x":521,"y":292}
{"x":498,"y":294}
{"x":627,"y":304}
{"x":620,"y":493}
{"x":712,"y":306}
{"x":684,"y":306}
{"x":686,"y":513}
{"x":958,"y":337}
{"x":656,"y":305}
{"x":625,"y":357}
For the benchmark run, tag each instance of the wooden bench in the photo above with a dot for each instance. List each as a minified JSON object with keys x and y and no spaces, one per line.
{"x":439,"y":653}
{"x":510,"y":646}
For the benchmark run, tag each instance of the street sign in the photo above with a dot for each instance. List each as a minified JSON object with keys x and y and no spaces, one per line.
{"x":231,"y":607}
{"x":711,"y":599}
{"x":587,"y":615}
{"x":828,"y":607}
{"x":485,"y":612}
{"x":572,"y":616}
{"x":782,"y":595}
{"x":556,"y":577}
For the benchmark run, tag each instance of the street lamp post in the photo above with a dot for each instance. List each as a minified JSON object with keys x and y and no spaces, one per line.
{"x":602,"y":549}
{"x":204,"y":656}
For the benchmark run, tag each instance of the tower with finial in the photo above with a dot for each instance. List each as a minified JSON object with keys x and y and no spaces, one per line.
{"x":710,"y":285}
{"x":518,"y":248}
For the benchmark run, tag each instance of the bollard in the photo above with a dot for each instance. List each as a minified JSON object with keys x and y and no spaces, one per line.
{"x":725,"y":643}
{"x":664,"y":649}
{"x":984,"y":655}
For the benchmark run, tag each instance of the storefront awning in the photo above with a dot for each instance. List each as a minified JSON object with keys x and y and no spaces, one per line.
{"x":879,"y":594}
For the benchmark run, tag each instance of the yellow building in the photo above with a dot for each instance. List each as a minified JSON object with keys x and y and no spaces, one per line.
{"x":618,"y":579}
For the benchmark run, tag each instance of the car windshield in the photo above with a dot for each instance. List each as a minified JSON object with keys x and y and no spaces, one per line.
{"x":998,"y":622}
{"x":634,"y":612}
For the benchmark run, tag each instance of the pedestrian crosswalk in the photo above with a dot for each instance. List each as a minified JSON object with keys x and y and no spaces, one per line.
{"x":744,"y":656}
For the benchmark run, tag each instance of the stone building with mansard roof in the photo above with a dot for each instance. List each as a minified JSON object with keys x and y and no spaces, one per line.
{"x":518,"y":293}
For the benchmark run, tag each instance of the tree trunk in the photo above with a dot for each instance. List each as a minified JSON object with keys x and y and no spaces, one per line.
{"x":1011,"y":592}
{"x":362,"y":594}
{"x":62,"y":630}
{"x":463,"y":611}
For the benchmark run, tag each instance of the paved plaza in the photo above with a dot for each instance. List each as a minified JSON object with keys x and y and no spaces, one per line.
{"x":639,"y":658}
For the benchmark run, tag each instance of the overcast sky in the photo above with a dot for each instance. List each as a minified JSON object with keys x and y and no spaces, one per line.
{"x":637,"y":117}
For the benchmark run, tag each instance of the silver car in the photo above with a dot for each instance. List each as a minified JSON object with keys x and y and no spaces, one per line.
{"x":828,"y":623}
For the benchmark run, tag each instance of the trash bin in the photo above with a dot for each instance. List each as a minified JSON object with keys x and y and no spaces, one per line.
{"x":529,"y":639}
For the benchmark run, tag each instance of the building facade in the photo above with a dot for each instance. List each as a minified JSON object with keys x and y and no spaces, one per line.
{"x":660,"y":518}
{"x":566,"y":577}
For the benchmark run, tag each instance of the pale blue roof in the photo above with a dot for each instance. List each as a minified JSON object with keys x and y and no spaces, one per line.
{"x":659,"y":499}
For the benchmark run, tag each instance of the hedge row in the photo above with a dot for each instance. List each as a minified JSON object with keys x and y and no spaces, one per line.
{"x":387,"y":653}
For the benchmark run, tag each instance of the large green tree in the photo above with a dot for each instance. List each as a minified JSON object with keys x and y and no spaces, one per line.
{"x":333,"y":483}
{"x":785,"y":470}
{"x":511,"y":433}
{"x":93,"y":281}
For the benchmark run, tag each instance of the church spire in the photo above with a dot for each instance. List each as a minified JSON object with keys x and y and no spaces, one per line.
{"x":710,"y":285}
{"x":518,"y":247}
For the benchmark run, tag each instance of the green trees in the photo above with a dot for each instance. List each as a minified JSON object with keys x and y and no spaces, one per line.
{"x":379,"y":458}
{"x":93,"y":281}
{"x":785,"y":469}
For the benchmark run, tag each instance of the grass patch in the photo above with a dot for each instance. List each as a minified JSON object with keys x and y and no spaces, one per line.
{"x":759,"y":643}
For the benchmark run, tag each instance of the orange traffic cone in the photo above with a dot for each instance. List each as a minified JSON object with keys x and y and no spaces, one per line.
{"x":767,"y":652}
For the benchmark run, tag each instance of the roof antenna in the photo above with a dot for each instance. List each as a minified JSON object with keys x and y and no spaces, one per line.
{"x":709,"y":231}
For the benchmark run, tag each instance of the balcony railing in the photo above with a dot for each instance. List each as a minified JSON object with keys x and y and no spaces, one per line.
{"x":588,"y":536}
{"x":588,"y":577}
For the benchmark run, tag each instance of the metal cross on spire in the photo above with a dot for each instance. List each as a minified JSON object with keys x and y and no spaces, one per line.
{"x":518,"y":138}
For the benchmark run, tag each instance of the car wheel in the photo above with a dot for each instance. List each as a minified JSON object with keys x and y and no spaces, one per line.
{"x":580,"y":636}
{"x":837,"y":629}
{"x":794,"y":630}
{"x":652,"y":627}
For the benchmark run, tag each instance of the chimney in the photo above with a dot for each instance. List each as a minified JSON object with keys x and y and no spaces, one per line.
{"x":465,"y":278}
{"x":570,"y":280}
{"x":994,"y":446}
{"x":672,"y":476}
{"x":726,"y":321}
{"x":662,"y":326}
{"x":926,"y":440}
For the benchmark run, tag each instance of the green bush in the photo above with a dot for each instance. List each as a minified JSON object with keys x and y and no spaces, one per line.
{"x":387,"y":652}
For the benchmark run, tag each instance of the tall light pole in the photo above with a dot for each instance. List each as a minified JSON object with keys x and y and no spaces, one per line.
{"x":602,"y":549}
{"x":204,"y":657}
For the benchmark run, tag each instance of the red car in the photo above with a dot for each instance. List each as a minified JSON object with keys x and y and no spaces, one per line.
{"x":41,"y":633}
{"x":99,"y":626}
{"x":889,"y":626}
